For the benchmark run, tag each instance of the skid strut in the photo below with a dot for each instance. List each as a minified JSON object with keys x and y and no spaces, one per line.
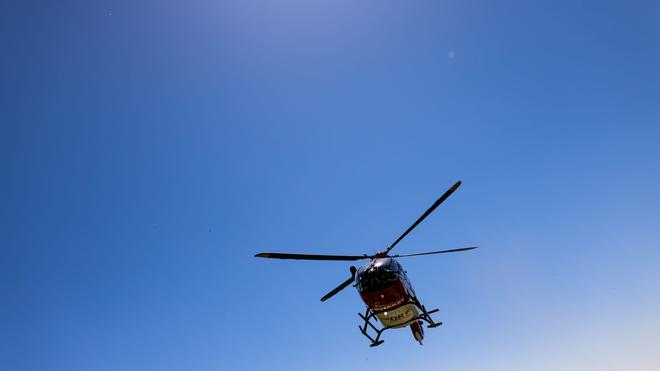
{"x":369,"y":315}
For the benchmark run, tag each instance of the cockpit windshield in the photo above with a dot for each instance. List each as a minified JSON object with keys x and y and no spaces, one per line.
{"x":378,"y":275}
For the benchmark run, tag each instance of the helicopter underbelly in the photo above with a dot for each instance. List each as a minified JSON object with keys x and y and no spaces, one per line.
{"x":398,"y":317}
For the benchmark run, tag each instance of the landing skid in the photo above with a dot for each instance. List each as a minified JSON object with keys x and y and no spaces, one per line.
{"x":369,"y":315}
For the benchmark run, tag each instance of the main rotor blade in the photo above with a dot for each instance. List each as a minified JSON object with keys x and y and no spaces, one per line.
{"x":342,"y":286}
{"x":435,"y":252}
{"x":426,"y":213}
{"x":275,"y":255}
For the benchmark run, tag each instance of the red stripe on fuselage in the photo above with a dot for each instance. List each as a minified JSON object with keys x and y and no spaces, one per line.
{"x":392,"y":295}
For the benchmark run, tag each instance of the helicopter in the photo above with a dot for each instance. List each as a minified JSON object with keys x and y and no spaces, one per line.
{"x":384,"y":286}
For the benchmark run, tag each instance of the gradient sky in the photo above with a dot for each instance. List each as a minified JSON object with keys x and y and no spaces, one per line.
{"x":149,"y":149}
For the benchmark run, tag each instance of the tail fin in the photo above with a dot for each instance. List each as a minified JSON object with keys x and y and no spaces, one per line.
{"x":418,"y":331}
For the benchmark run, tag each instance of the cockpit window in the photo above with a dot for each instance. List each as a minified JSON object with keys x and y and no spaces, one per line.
{"x":378,"y":276}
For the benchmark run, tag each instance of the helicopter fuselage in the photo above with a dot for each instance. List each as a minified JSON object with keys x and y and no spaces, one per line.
{"x":386,"y":290}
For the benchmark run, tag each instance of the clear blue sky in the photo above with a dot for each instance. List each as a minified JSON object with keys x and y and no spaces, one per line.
{"x":149,"y":149}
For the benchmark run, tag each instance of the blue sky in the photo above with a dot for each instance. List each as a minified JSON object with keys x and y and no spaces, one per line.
{"x":149,"y":149}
